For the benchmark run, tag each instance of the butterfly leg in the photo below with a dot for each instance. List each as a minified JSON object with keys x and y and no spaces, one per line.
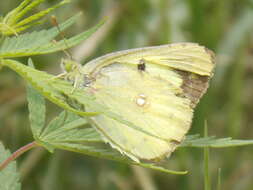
{"x":76,"y":83}
{"x":57,"y":76}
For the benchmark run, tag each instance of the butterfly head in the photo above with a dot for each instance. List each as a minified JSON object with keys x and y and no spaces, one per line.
{"x":69,"y":65}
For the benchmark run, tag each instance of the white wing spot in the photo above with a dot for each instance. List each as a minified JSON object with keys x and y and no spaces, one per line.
{"x":141,"y":100}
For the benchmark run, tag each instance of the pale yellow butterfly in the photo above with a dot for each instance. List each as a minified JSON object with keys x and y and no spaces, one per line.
{"x":155,"y":88}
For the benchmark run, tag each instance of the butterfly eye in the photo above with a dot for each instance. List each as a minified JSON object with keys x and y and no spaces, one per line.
{"x":141,"y":65}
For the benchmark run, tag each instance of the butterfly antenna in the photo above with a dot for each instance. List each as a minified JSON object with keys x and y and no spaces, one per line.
{"x":55,"y":23}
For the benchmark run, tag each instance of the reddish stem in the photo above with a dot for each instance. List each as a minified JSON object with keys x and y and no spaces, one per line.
{"x":17,"y":154}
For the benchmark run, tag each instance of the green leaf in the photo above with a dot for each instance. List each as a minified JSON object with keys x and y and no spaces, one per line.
{"x":64,"y":129}
{"x":12,"y":23}
{"x":71,"y":42}
{"x":56,"y":123}
{"x":41,"y":42}
{"x":37,"y":111}
{"x":13,"y":46}
{"x":16,"y":14}
{"x":9,"y":178}
{"x":74,"y":135}
{"x":40,"y":14}
{"x":36,"y":107}
{"x":213,"y":142}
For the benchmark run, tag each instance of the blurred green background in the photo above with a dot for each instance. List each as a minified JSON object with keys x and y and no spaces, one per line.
{"x":224,"y":26}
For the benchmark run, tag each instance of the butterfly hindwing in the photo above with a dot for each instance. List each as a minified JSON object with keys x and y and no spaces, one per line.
{"x":159,"y":99}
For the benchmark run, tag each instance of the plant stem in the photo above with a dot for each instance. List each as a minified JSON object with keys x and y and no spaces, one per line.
{"x":207,"y":181}
{"x":219,"y":179}
{"x":16,"y":154}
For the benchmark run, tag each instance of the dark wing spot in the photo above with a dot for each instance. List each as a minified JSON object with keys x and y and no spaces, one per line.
{"x":141,"y":65}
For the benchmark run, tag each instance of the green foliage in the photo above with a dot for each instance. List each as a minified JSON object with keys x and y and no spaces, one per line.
{"x":9,"y":178}
{"x":12,"y":24}
{"x":213,"y":142}
{"x":41,"y":42}
{"x":37,"y":110}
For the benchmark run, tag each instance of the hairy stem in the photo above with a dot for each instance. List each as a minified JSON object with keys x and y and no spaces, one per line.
{"x":16,"y":154}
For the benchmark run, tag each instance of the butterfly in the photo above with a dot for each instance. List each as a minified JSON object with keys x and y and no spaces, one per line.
{"x":155,"y":88}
